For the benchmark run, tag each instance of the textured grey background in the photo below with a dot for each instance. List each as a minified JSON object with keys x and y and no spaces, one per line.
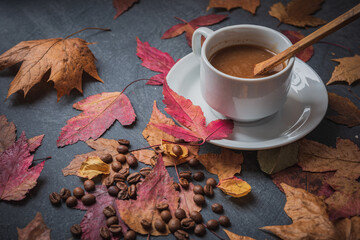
{"x":118,"y":65}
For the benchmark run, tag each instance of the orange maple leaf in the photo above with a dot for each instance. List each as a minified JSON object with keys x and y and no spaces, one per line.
{"x":348,"y":70}
{"x":248,"y":5}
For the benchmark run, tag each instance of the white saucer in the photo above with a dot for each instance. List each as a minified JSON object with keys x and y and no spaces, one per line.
{"x":304,"y":109}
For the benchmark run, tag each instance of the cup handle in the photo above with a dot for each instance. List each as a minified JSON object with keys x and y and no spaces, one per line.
{"x":196,"y":39}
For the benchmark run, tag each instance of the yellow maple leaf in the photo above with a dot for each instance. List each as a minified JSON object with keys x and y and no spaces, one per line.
{"x":92,"y":167}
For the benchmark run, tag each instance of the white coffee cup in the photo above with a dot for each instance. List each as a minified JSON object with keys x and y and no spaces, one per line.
{"x":242,"y":99}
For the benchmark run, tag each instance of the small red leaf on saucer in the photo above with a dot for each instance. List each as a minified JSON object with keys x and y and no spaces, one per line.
{"x":294,"y":37}
{"x":155,"y":60}
{"x":190,"y":27}
{"x":192,"y":118}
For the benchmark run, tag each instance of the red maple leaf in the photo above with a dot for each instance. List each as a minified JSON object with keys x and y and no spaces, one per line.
{"x":16,"y":178}
{"x":122,"y":5}
{"x":155,"y":60}
{"x":94,"y":217}
{"x":99,"y":113}
{"x":294,"y":37}
{"x":190,"y":27}
{"x":191,"y":117}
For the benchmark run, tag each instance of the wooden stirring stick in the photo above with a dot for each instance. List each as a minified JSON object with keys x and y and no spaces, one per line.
{"x":314,"y":37}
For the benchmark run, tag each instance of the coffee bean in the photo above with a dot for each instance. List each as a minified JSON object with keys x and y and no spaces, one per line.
{"x":121,"y":158}
{"x":115,"y":229}
{"x":88,"y":199}
{"x":112,"y":220}
{"x":212,"y":182}
{"x":199,"y":199}
{"x":71,"y":201}
{"x":184,"y":183}
{"x":198,"y":176}
{"x":132,"y":191}
{"x":176,"y":186}
{"x":179,"y":140}
{"x":122,"y":149}
{"x":224,"y":221}
{"x":107,"y":158}
{"x":104,"y":233}
{"x":122,"y":186}
{"x":78,"y":192}
{"x":160,"y":225}
{"x":76,"y":230}
{"x":133,"y":178}
{"x":89,"y":185}
{"x":180,"y":213}
{"x":113,"y":191}
{"x":162,"y":206}
{"x":177,"y":150}
{"x":212,"y":224}
{"x":123,"y":194}
{"x":174,"y":225}
{"x":185,"y":174}
{"x":121,"y":175}
{"x":181,"y":235}
{"x":109,"y":211}
{"x":198,"y":189}
{"x":217,"y":208}
{"x":116,"y":166}
{"x":208,"y":190}
{"x":196,"y":216}
{"x":132,"y":161}
{"x":108,"y":181}
{"x":165,"y":215}
{"x":55,"y":198}
{"x":146,"y":224}
{"x":194,"y":162}
{"x":200,"y":230}
{"x":130,"y":235}
{"x":124,"y":142}
{"x":65,"y":193}
{"x":187,"y":223}
{"x":153,"y":159}
{"x":145,"y":171}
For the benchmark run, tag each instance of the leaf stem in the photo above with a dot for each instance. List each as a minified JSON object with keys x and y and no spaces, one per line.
{"x":157,"y":145}
{"x":96,"y":28}
{"x":42,"y":159}
{"x":213,"y":232}
{"x":337,"y":45}
{"x":180,"y":19}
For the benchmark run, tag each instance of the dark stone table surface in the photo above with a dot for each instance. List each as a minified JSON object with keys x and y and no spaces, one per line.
{"x":118,"y":65}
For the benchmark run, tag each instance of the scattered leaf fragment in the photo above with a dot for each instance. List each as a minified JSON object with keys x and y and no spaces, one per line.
{"x":155,"y":60}
{"x":224,"y":165}
{"x":190,"y":27}
{"x":156,"y":188}
{"x":348,"y":70}
{"x":248,"y":5}
{"x":295,"y":36}
{"x":233,"y":236}
{"x":348,"y":113}
{"x":36,"y":229}
{"x":277,"y":159}
{"x":92,"y":167}
{"x":66,"y":59}
{"x":7,"y":133}
{"x":122,"y":5}
{"x":234,"y":187}
{"x":298,"y":12}
{"x":16,"y":178}
{"x":99,"y":113}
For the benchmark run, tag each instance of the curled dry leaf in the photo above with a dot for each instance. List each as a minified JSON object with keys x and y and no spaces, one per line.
{"x":7,"y":133}
{"x":92,"y":167}
{"x":248,"y":5}
{"x":154,"y":60}
{"x":168,"y":148}
{"x":66,"y":59}
{"x":99,"y":112}
{"x":156,"y":188}
{"x":235,"y":187}
{"x":36,"y":229}
{"x":233,"y":236}
{"x":224,"y":165}
{"x":298,"y":12}
{"x":348,"y":70}
{"x":122,"y":5}
{"x":190,"y":27}
{"x":348,"y":113}
{"x":295,"y":36}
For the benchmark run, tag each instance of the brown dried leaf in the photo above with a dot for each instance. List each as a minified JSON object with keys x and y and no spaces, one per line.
{"x":225,"y":165}
{"x":7,"y":133}
{"x":348,"y":70}
{"x":187,"y":200}
{"x":348,"y":113}
{"x":248,"y":5}
{"x":298,"y":12}
{"x":234,"y":236}
{"x":36,"y":229}
{"x":349,"y":228}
